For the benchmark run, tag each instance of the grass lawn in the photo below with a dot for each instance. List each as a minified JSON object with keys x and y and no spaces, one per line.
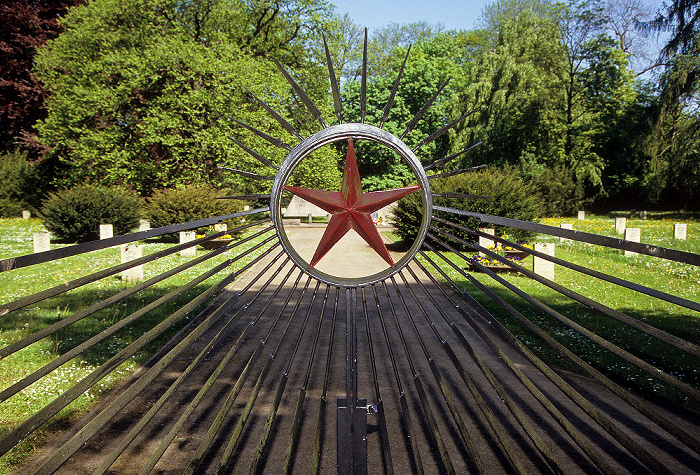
{"x":16,"y":240}
{"x":674,"y":278}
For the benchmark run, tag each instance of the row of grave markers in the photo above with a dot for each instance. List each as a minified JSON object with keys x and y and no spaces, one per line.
{"x":128,"y":252}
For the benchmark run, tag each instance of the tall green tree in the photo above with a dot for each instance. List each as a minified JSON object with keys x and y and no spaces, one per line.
{"x":144,"y":93}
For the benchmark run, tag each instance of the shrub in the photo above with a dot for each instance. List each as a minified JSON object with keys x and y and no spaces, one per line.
{"x":560,"y":193}
{"x":75,"y":214}
{"x":19,"y":180}
{"x":508,"y":196}
{"x":189,"y":203}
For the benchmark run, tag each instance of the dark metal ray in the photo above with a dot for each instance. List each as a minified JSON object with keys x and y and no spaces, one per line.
{"x":337,"y":104}
{"x":456,"y":172}
{"x":315,"y":113}
{"x":425,"y":108}
{"x":281,"y":120}
{"x":274,"y":141}
{"x":459,"y":195}
{"x":390,"y":102}
{"x":255,"y":154}
{"x":442,"y":161}
{"x":260,"y":196}
{"x":363,"y":87}
{"x":443,"y":130}
{"x":246,"y":174}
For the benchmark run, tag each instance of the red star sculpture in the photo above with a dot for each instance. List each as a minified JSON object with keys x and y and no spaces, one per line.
{"x":351,"y":208}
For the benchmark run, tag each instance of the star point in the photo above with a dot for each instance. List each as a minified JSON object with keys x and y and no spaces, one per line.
{"x":351,"y":208}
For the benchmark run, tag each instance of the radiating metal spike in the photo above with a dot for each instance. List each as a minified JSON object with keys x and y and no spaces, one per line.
{"x":263,"y":135}
{"x":443,"y":130}
{"x":363,"y":86}
{"x":442,"y":161}
{"x":315,"y":113}
{"x":257,"y":196}
{"x":281,"y":120}
{"x":390,"y":102}
{"x":254,"y":176}
{"x":425,"y":108}
{"x":459,"y":195}
{"x":337,"y":103}
{"x":456,"y":172}
{"x":255,"y":154}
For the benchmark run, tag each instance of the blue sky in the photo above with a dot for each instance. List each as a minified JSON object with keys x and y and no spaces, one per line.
{"x":454,"y":15}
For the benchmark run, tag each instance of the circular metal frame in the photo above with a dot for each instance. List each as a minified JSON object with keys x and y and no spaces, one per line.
{"x":327,"y":136}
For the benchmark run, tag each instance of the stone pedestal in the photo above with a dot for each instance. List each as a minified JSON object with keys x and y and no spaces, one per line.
{"x":187,"y":236}
{"x":26,"y":214}
{"x":541,"y":266}
{"x":620,"y":225}
{"x":106,"y":231}
{"x":486,"y":242}
{"x":42,"y":242}
{"x":144,"y":225}
{"x":634,"y":235}
{"x":568,"y":226}
{"x":129,"y":252}
{"x":642,"y":215}
{"x":582,"y":215}
{"x":680,"y":231}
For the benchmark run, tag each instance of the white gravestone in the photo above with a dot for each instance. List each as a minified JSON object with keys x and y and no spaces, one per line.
{"x":144,"y":225}
{"x":568,"y":226}
{"x":42,"y":242}
{"x":106,"y":231}
{"x":581,"y":215}
{"x":187,"y":236}
{"x":486,"y":242}
{"x":129,"y":252}
{"x":634,"y":235}
{"x":220,"y":227}
{"x":680,"y":231}
{"x":26,"y":214}
{"x":542,"y":266}
{"x":620,"y":225}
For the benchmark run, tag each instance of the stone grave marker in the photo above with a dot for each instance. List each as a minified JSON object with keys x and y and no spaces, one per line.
{"x":620,"y":225}
{"x":144,"y":225}
{"x":42,"y":242}
{"x":106,"y":231}
{"x":541,"y":266}
{"x":486,"y":242}
{"x":680,"y":231}
{"x":26,"y":214}
{"x":187,"y":236}
{"x":568,"y":226}
{"x":634,"y":235}
{"x":129,"y":252}
{"x":581,"y":215}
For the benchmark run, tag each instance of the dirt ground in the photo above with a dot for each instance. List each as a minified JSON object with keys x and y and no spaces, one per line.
{"x":439,"y":398}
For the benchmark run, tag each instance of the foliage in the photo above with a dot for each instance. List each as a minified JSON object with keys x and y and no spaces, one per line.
{"x":26,"y":25}
{"x":75,"y":214}
{"x":20,"y":183}
{"x":189,"y":203}
{"x":558,"y":191}
{"x":506,"y":194}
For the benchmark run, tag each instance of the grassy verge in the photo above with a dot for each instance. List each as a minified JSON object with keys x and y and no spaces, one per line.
{"x":16,"y":239}
{"x":674,"y":278}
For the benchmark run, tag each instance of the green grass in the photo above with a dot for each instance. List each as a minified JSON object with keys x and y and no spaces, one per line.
{"x":15,"y":240}
{"x":674,"y":278}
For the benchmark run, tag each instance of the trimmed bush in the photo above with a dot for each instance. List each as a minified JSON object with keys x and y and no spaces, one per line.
{"x":508,"y":196}
{"x":189,"y":203}
{"x":560,"y":193}
{"x":20,"y":184}
{"x":75,"y":214}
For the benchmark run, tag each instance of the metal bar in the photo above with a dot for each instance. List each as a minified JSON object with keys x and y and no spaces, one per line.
{"x":569,"y":428}
{"x":624,"y":354}
{"x":429,"y":419}
{"x":126,"y":440}
{"x":254,"y":154}
{"x":280,"y":120}
{"x":412,"y":123}
{"x":359,"y":439}
{"x":344,"y":437}
{"x":320,"y":427}
{"x":272,"y":140}
{"x":442,"y":130}
{"x":405,"y":413}
{"x":255,"y":196}
{"x":458,"y":195}
{"x":442,"y":161}
{"x":206,"y":443}
{"x":584,"y":270}
{"x":390,"y":102}
{"x":246,"y":174}
{"x":630,"y":444}
{"x":381,"y":418}
{"x":337,"y":103}
{"x":315,"y":113}
{"x":456,"y":172}
{"x":38,"y":258}
{"x":652,"y":331}
{"x":648,"y":249}
{"x":363,"y":83}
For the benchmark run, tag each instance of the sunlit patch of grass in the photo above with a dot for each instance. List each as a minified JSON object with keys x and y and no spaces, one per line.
{"x":15,"y":240}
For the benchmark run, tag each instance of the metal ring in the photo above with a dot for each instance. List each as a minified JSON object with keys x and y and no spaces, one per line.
{"x":328,"y":136}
